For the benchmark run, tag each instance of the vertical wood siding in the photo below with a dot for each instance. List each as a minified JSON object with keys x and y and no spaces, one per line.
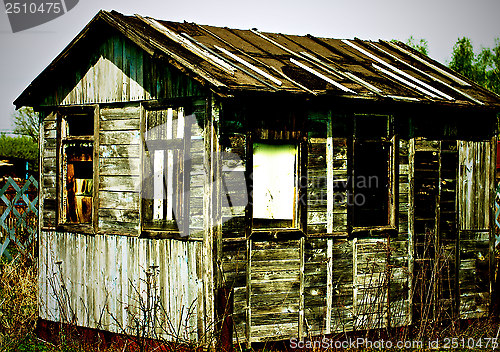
{"x":120,"y":71}
{"x":435,"y":224}
{"x":446,"y":222}
{"x":103,"y":282}
{"x":338,"y":174}
{"x":475,"y":199}
{"x":234,"y":267}
{"x":315,"y":285}
{"x":371,"y":282}
{"x":197,"y":172}
{"x":317,"y":186}
{"x":475,"y":180}
{"x":234,"y":198}
{"x":341,"y":279}
{"x":400,"y":247}
{"x":426,"y":191}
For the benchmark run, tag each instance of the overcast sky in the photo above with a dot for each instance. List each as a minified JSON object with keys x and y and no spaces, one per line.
{"x":25,"y":54}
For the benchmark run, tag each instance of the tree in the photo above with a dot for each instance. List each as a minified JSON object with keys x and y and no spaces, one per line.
{"x":23,"y":147}
{"x":27,"y":123}
{"x":422,"y":46}
{"x":462,"y":59}
{"x":482,"y":68}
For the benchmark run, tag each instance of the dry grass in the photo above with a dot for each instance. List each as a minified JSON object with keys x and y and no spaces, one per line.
{"x":18,"y":317}
{"x":18,"y":313}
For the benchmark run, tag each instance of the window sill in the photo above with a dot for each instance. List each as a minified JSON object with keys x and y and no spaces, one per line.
{"x":155,"y":234}
{"x":277,"y":234}
{"x":375,"y":231}
{"x":77,"y":228}
{"x":328,"y":235}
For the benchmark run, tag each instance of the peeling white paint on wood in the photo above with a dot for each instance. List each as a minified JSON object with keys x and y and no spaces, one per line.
{"x":274,"y":183}
{"x":159,"y":187}
{"x":101,"y":282}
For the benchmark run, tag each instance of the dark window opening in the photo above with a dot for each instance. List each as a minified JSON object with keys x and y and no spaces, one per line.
{"x":371,"y":183}
{"x":80,"y":125}
{"x":372,"y":126}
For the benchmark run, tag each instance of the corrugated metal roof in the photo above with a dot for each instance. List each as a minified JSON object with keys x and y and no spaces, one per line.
{"x":232,"y":60}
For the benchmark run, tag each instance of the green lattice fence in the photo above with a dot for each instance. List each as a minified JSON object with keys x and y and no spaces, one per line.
{"x":18,"y":216}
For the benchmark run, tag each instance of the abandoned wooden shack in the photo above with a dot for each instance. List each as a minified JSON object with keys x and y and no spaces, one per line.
{"x":329,"y":185}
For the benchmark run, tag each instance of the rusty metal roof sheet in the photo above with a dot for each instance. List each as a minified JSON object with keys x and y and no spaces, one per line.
{"x":232,"y":60}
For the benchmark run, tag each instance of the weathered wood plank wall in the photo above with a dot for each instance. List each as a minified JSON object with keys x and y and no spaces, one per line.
{"x":476,"y":175}
{"x":107,"y":282}
{"x":436,"y":240}
{"x":400,"y":246}
{"x":377,"y":291}
{"x":326,"y":282}
{"x":120,"y":71}
{"x":197,"y":172}
{"x":234,"y":271}
{"x":274,"y":289}
{"x":48,"y":168}
{"x":120,"y":152}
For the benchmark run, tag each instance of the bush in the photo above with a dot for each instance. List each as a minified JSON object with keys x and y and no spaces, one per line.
{"x":18,"y":297}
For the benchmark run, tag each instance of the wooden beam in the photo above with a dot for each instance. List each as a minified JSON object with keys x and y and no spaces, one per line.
{"x":323,"y":77}
{"x":254,"y":59}
{"x":438,"y":94}
{"x":492,"y":191}
{"x":212,"y":237}
{"x":208,"y":235}
{"x":95,"y":161}
{"x":250,"y":66}
{"x":428,"y":64}
{"x":302,"y":321}
{"x":411,"y":225}
{"x":248,"y":325}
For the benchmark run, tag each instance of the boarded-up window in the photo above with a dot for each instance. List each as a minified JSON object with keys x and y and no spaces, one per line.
{"x":166,"y":170}
{"x":275,"y":184}
{"x":77,"y":166}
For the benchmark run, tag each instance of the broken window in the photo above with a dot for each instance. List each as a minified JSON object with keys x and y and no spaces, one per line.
{"x":372,"y":172}
{"x":77,"y":166}
{"x":371,"y":183}
{"x":351,"y":172}
{"x":275,"y":185}
{"x":166,"y":187}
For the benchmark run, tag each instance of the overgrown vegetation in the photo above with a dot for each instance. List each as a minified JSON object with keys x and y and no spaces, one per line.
{"x":422,"y":46}
{"x":483,"y":68}
{"x":26,"y":123}
{"x":18,"y":316}
{"x":22,"y":147}
{"x":17,"y":297}
{"x":18,"y":147}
